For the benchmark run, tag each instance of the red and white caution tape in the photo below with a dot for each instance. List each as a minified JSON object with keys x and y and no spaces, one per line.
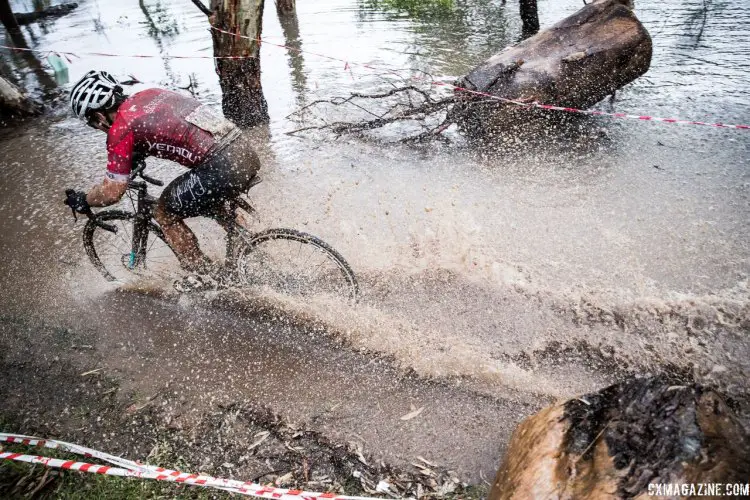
{"x":71,"y":448}
{"x":128,"y":468}
{"x":550,"y":107}
{"x":395,"y":71}
{"x":109,"y":54}
{"x":591,"y":111}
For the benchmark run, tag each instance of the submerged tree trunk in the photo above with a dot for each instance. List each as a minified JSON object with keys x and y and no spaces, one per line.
{"x":13,"y":102}
{"x":9,"y":21}
{"x":614,"y":443}
{"x":14,"y":30}
{"x":575,"y":63}
{"x":285,"y":7}
{"x":242,"y":95}
{"x":54,"y":11}
{"x":529,"y":17}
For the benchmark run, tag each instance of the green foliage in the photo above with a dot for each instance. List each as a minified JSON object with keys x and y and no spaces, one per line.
{"x":415,"y":8}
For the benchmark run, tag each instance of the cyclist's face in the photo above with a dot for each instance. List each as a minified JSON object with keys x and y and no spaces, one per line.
{"x":99,"y":121}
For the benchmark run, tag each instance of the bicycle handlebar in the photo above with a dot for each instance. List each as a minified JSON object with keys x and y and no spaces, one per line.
{"x":138,"y":172}
{"x":92,"y":216}
{"x":107,"y":227}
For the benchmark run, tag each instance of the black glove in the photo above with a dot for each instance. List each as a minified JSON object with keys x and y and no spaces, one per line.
{"x":77,"y":201}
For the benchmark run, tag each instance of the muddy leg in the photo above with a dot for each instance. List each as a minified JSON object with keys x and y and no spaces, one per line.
{"x":224,"y":216}
{"x":181,"y":239}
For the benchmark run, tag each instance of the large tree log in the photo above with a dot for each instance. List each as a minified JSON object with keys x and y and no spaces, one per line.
{"x":614,"y":443}
{"x":575,"y":63}
{"x":242,"y":94}
{"x":13,"y":102}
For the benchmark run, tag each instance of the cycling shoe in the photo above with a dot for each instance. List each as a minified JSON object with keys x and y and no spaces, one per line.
{"x":198,"y":283}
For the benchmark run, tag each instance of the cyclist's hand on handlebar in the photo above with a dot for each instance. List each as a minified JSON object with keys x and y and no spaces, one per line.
{"x":76,"y":200}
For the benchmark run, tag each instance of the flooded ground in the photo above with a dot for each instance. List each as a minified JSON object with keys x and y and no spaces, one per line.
{"x":493,"y":282}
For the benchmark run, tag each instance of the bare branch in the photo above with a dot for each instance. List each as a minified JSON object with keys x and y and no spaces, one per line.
{"x":412,"y":114}
{"x":338,"y":101}
{"x":202,"y":7}
{"x":431,"y":134}
{"x":406,"y":104}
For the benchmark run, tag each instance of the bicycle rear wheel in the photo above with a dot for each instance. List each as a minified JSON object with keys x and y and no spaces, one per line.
{"x":294,"y":263}
{"x":112,"y":253}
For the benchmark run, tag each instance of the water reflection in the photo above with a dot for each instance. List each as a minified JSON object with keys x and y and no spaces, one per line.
{"x":28,"y":59}
{"x":290,"y":27}
{"x":161,"y":24}
{"x":447,"y":39}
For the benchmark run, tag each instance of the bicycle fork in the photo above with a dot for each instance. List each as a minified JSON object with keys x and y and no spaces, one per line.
{"x":137,"y":257}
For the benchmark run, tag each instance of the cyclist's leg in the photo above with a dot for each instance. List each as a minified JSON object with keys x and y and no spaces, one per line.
{"x":234,"y":171}
{"x":177,"y":203}
{"x":181,"y":239}
{"x":203,"y":192}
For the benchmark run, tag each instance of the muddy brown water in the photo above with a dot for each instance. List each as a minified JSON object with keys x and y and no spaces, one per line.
{"x":492,"y":282}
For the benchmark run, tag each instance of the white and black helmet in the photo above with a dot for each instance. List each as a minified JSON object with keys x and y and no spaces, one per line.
{"x":96,"y":90}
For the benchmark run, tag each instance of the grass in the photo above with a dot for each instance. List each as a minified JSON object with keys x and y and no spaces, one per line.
{"x":19,"y":480}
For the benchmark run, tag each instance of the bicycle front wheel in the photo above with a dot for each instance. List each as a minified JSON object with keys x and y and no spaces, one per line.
{"x":295,"y":263}
{"x":113,"y":253}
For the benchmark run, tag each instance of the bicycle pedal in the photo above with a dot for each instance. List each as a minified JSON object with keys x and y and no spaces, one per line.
{"x":190,"y":284}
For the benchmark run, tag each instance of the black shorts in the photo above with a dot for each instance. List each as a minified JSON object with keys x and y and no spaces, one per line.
{"x":222,"y":177}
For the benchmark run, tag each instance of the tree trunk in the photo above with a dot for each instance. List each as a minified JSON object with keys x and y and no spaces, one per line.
{"x":13,"y":102}
{"x":614,"y":443}
{"x":54,"y":11}
{"x":575,"y":63}
{"x":286,"y":7}
{"x":529,"y":17}
{"x":242,"y":94}
{"x":14,"y":30}
{"x":11,"y":24}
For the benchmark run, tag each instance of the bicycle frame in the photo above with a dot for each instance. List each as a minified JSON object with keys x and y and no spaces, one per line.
{"x":239,"y":241}
{"x":144,"y":213}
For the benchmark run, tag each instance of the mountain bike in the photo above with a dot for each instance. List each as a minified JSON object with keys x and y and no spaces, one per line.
{"x":123,"y":244}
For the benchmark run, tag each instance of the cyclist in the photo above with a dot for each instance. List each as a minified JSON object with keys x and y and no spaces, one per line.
{"x":165,"y":124}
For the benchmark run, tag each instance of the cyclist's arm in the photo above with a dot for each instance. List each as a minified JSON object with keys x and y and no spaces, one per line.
{"x":107,"y":193}
{"x":119,"y":165}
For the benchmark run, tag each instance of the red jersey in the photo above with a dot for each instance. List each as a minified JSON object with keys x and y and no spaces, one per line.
{"x":165,"y":124}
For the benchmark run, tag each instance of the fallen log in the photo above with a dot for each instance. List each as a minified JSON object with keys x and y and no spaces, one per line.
{"x":54,"y":11}
{"x":575,"y":63}
{"x":614,"y":443}
{"x":14,"y":103}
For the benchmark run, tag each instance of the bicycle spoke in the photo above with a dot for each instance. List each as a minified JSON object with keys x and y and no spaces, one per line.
{"x":306,"y":271}
{"x":312,"y":252}
{"x":127,"y":233}
{"x":112,"y":250}
{"x":128,"y":242}
{"x":317,"y":268}
{"x":151,"y":245}
{"x":112,"y":245}
{"x":132,"y":203}
{"x":299,"y":251}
